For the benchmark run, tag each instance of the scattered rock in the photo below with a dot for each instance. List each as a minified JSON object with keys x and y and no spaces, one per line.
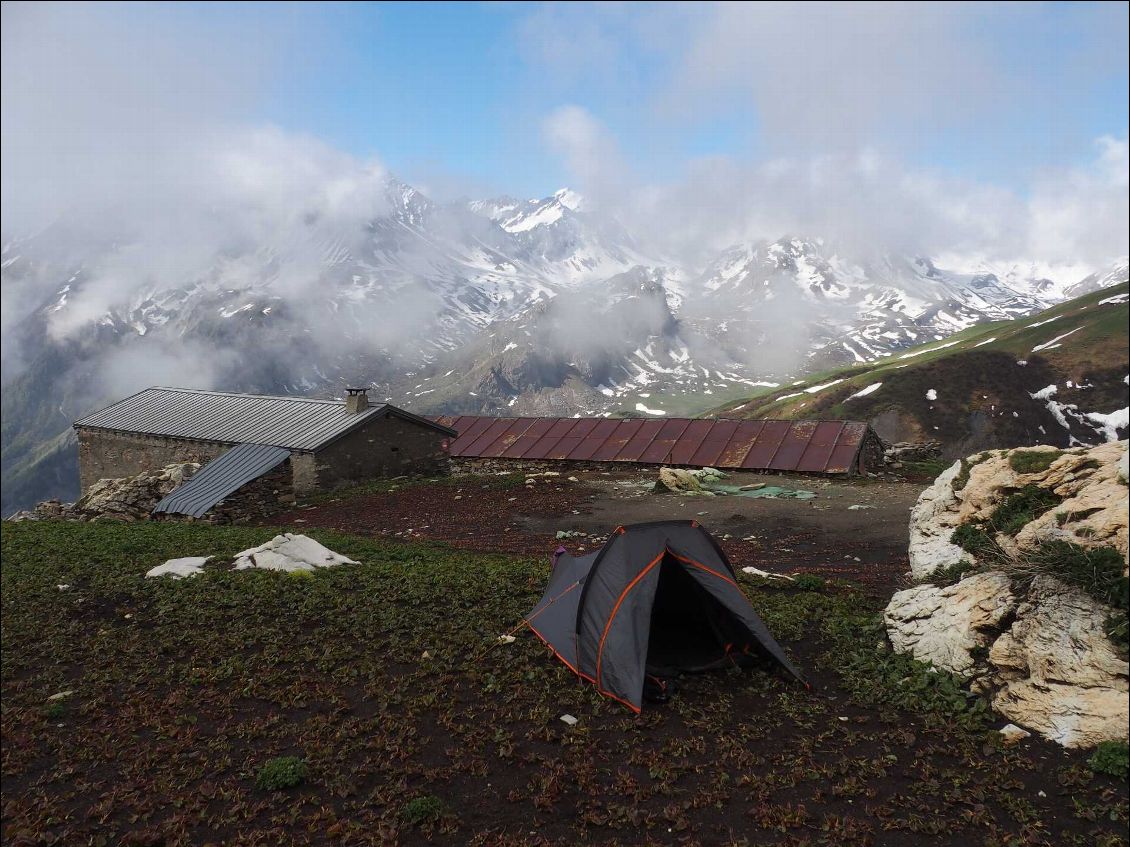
{"x":179,"y":568}
{"x":1012,"y":733}
{"x":506,"y":639}
{"x":678,"y":480}
{"x":129,"y":498}
{"x":910,"y":451}
{"x":61,"y":695}
{"x":765,"y":574}
{"x":569,"y":719}
{"x":855,"y":507}
{"x":753,"y":486}
{"x":290,"y":552}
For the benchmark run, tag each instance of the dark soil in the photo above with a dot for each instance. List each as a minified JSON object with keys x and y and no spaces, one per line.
{"x":824,"y":536}
{"x":182,"y":691}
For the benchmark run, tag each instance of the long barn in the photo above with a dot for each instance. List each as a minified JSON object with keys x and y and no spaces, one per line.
{"x":823,"y":447}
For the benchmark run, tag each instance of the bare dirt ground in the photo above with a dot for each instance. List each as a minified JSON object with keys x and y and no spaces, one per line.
{"x":503,"y":514}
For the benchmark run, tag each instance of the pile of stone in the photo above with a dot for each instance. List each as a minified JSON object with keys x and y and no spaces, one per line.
{"x":911,"y":451}
{"x":1036,"y":645}
{"x":687,"y":481}
{"x":130,"y":498}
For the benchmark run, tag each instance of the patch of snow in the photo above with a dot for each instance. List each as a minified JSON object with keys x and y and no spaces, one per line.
{"x":930,"y":350}
{"x":817,"y":388}
{"x":1044,"y":393}
{"x":863,"y":392}
{"x":986,"y":341}
{"x":290,"y":552}
{"x":1051,"y":345}
{"x":1109,"y":424}
{"x":640,"y":407}
{"x":932,"y":394}
{"x":179,"y":568}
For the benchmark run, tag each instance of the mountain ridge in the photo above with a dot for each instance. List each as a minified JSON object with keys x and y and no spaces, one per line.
{"x":499,"y":306}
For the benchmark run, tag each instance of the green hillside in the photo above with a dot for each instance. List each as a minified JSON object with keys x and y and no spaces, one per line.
{"x":973,"y":390}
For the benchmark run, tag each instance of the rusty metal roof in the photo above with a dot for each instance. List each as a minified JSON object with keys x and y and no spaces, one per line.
{"x":296,"y":423}
{"x":810,"y":446}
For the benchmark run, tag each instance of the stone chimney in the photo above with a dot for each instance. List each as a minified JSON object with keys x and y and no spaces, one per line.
{"x":357,"y":400}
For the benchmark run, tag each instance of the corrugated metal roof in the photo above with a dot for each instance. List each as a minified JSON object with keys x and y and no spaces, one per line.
{"x":221,"y":477}
{"x":811,"y":446}
{"x":296,"y":423}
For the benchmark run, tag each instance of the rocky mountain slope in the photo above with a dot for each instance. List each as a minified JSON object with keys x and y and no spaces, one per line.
{"x":1058,"y":378}
{"x":540,"y":306}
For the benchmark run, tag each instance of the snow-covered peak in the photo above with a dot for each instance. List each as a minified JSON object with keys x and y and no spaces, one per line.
{"x":518,"y":216}
{"x":496,"y":208}
{"x":570,"y":199}
{"x":1047,"y":282}
{"x":1114,"y":273}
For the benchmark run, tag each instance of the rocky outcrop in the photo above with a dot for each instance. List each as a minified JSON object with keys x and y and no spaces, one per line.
{"x":130,"y":498}
{"x":1092,"y":511}
{"x":1057,"y":672}
{"x":1013,"y":626}
{"x":932,"y":521}
{"x":945,"y":626}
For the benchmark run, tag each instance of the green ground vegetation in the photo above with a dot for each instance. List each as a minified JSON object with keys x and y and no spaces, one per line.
{"x":414,"y":724}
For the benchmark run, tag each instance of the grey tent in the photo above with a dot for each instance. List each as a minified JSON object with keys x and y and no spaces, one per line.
{"x":657,"y":599}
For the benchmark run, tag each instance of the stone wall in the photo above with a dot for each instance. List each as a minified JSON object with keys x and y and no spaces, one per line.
{"x":871,"y":460}
{"x":870,"y":454}
{"x":304,"y":473}
{"x":385,"y":446}
{"x":113,"y":455}
{"x":262,"y":497}
{"x":471,"y":465}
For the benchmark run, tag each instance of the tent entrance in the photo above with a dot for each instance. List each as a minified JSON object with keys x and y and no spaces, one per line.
{"x":684,"y":631}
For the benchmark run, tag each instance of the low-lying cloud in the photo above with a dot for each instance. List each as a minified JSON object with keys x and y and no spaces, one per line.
{"x":863,"y":201}
{"x":137,"y":136}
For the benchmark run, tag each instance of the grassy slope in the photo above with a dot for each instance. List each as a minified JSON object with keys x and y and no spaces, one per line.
{"x":182,"y":690}
{"x":978,"y":374}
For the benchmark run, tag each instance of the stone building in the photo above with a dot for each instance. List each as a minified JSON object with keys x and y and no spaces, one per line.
{"x":265,"y":448}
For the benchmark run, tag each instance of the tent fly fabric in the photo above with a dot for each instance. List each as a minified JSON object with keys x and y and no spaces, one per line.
{"x":657,"y":599}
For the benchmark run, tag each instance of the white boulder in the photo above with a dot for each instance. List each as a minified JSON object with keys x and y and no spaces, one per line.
{"x":1057,"y":672}
{"x":932,"y":522}
{"x":1033,"y":643}
{"x":943,"y":625}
